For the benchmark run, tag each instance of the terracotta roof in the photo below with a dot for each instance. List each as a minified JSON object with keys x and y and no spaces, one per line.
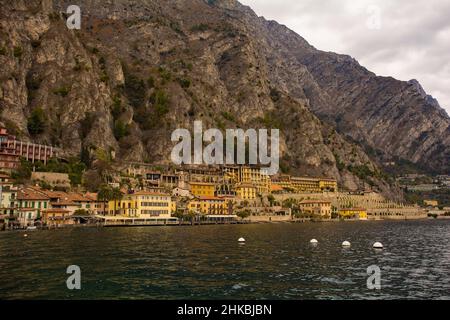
{"x":55,"y":210}
{"x":63,"y":203}
{"x":92,"y":195}
{"x":276,"y":187}
{"x":149,"y":193}
{"x":31,"y":194}
{"x":78,"y":197}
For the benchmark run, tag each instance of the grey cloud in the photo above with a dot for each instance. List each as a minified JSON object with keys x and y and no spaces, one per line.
{"x":413,"y":42}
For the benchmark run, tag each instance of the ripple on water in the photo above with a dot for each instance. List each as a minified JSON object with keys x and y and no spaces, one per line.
{"x":205,"y":262}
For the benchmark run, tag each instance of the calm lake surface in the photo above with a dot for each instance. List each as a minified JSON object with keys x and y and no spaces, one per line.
{"x":277,"y":262}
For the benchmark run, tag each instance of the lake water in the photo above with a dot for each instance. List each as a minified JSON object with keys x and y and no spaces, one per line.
{"x":206,"y":262}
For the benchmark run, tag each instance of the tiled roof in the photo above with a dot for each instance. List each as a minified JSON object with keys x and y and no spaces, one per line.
{"x":31,"y":194}
{"x":149,"y":193}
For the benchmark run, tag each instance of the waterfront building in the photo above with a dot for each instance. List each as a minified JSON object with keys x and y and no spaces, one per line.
{"x":316,"y":207}
{"x":126,"y":207}
{"x":202,"y":189}
{"x":248,"y":175}
{"x":9,"y":160}
{"x":68,"y":201}
{"x":210,"y":206}
{"x":97,"y":207}
{"x":30,"y":203}
{"x":305,"y":184}
{"x":57,"y":217}
{"x":152,"y":205}
{"x":353,"y":213}
{"x":431,"y":203}
{"x":225,"y":190}
{"x":142,"y":204}
{"x":8,"y":196}
{"x":12,"y":149}
{"x":183,"y":193}
{"x":246,"y":191}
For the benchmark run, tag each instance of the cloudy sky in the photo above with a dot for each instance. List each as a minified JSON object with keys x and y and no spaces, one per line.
{"x":406,"y":39}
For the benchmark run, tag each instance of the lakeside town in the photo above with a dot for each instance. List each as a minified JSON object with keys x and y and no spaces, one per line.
{"x":141,"y":194}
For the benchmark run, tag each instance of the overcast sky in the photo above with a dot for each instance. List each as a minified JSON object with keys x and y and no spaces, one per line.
{"x":406,"y":39}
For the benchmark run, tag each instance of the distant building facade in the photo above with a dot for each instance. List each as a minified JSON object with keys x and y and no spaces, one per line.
{"x":11,"y":150}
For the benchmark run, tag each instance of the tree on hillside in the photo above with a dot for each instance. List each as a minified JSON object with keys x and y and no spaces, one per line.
{"x":36,"y":122}
{"x":116,"y":196}
{"x":244,"y":214}
{"x":105,"y":195}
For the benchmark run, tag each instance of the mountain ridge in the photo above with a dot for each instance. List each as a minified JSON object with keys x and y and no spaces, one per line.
{"x":136,"y":71}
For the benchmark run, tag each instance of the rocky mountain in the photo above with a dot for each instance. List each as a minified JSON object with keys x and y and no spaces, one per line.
{"x":139,"y":69}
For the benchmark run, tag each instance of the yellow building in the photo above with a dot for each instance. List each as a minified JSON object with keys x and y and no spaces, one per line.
{"x":431,"y":203}
{"x":209,"y":206}
{"x":306,"y":184}
{"x":326,"y":184}
{"x":249,"y":175}
{"x":126,"y":207}
{"x":202,"y":189}
{"x":143,"y":204}
{"x":353,"y":213}
{"x":246,"y":191}
{"x":316,"y":207}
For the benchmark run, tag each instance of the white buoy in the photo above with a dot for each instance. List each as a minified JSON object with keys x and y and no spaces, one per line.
{"x":314,"y":241}
{"x":346,"y":244}
{"x":25,"y":235}
{"x":241,"y":240}
{"x":378,"y":245}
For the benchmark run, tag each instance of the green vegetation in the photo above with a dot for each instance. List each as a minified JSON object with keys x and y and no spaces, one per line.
{"x":78,"y":65}
{"x":272,"y":121}
{"x":86,"y":124}
{"x":185,"y":65}
{"x":53,"y":16}
{"x":74,"y":168}
{"x":151,"y":82}
{"x":275,"y":95}
{"x":62,"y":91}
{"x":94,"y":50}
{"x":228,"y":116}
{"x":244,"y":214}
{"x":165,"y":74}
{"x":202,"y":27}
{"x":117,"y":107}
{"x":339,"y":164}
{"x":121,"y":130}
{"x":81,"y":213}
{"x":135,"y":90}
{"x":184,"y":83}
{"x":107,"y":193}
{"x":176,"y":27}
{"x":18,"y":51}
{"x":160,"y":102}
{"x":363,"y":171}
{"x":37,"y":122}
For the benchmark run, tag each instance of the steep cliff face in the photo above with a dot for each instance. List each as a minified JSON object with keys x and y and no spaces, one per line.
{"x":394,"y":119}
{"x":139,"y":69}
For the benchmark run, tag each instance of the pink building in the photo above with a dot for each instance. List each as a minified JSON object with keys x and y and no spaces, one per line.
{"x":11,"y":150}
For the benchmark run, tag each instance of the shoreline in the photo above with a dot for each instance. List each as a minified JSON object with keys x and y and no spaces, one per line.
{"x":199,"y":224}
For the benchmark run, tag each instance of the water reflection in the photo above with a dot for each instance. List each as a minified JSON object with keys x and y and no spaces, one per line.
{"x":276,"y":262}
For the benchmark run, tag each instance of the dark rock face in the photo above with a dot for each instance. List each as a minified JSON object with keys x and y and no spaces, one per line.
{"x":139,"y":69}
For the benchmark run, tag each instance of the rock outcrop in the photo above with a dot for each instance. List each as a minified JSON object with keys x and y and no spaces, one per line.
{"x":139,"y":69}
